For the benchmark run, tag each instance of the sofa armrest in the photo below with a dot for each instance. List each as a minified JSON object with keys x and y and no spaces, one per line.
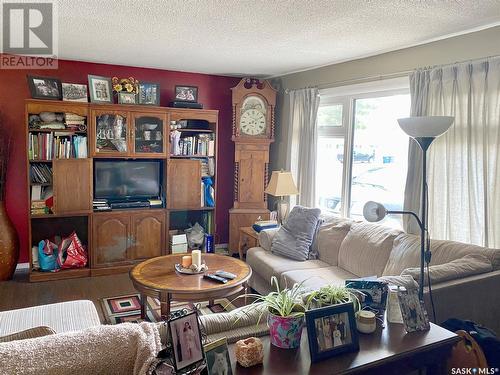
{"x":473,"y":298}
{"x":266,"y":238}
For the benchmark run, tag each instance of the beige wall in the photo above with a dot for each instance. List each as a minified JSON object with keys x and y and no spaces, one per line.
{"x":464,"y":47}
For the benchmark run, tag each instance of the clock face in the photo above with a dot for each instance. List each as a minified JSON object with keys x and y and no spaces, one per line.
{"x":253,"y":122}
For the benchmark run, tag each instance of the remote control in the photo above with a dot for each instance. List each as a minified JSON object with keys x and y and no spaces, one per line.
{"x":225,"y":274}
{"x":213,"y":277}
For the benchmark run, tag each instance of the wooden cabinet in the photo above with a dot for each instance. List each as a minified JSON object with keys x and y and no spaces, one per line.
{"x":185,"y":184}
{"x":149,"y":135}
{"x":72,"y":184}
{"x":125,"y":237}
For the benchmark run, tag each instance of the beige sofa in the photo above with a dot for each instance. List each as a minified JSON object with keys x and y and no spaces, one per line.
{"x":348,"y":249}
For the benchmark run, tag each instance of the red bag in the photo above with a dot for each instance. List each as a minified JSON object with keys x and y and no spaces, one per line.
{"x":72,"y":253}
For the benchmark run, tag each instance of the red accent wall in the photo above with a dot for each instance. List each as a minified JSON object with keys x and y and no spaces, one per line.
{"x":214,"y":93}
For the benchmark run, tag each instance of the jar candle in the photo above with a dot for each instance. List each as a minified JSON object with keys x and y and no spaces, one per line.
{"x":186,"y":261}
{"x":366,"y":322}
{"x":196,"y":254}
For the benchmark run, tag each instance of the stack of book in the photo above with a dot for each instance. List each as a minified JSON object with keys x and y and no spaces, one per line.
{"x":198,"y":145}
{"x":57,"y":145}
{"x":207,"y":167}
{"x":74,"y":121}
{"x":264,"y":224}
{"x":40,"y":173}
{"x":39,"y":207}
{"x":101,"y":205}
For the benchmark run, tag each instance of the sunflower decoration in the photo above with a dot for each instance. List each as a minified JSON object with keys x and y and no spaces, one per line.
{"x":125,"y":85}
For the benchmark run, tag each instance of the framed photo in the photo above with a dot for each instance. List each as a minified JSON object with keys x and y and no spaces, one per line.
{"x":100,"y":89}
{"x":217,"y":356}
{"x":373,"y":293}
{"x":331,"y":330}
{"x":74,"y":92}
{"x":185,"y":337}
{"x":412,"y":311}
{"x":45,"y":88}
{"x":126,"y":98}
{"x":149,"y":93}
{"x":186,"y":94}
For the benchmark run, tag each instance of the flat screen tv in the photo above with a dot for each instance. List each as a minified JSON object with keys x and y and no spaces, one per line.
{"x":122,"y":180}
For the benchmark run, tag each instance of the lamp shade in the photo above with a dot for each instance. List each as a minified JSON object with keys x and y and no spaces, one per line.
{"x":425,"y":126}
{"x":281,"y":184}
{"x":374,"y":211}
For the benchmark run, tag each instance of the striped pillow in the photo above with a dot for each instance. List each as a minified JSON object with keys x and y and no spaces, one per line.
{"x":30,"y":333}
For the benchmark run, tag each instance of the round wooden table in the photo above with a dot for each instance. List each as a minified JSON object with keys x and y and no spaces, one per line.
{"x":157,"y":278}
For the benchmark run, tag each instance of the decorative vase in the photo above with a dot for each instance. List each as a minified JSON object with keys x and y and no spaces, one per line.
{"x":9,"y":245}
{"x":285,"y":331}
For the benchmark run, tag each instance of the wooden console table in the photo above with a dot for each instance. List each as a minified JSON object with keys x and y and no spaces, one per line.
{"x":248,"y":238}
{"x":387,"y":351}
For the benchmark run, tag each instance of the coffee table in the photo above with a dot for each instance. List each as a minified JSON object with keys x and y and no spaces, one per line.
{"x":157,"y":278}
{"x":387,"y":351}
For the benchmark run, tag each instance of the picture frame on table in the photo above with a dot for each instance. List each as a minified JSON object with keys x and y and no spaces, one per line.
{"x":185,"y":337}
{"x":74,"y":92}
{"x":45,"y":87}
{"x":127,"y":98}
{"x":372,"y":293}
{"x":217,"y":357}
{"x":413,"y":311}
{"x":331,"y":330}
{"x":100,"y":88}
{"x":186,"y":94}
{"x":149,"y":93}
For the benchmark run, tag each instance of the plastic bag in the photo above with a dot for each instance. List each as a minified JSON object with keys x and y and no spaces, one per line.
{"x":47,"y":256}
{"x":72,"y":254}
{"x":195,"y":236}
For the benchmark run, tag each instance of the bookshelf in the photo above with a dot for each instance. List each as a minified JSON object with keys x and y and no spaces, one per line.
{"x":61,"y":174}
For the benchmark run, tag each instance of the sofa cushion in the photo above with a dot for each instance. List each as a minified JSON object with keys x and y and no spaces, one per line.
{"x":316,"y":278}
{"x":329,"y":238}
{"x":28,"y":334}
{"x":366,"y":248}
{"x":268,"y":264}
{"x":406,"y":253}
{"x":266,"y":238}
{"x":472,"y":264}
{"x":295,"y":237}
{"x":61,"y":317}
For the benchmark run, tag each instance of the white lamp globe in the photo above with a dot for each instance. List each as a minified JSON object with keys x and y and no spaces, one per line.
{"x":425,"y":126}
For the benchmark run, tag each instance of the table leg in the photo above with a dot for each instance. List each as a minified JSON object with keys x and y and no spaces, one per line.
{"x":245,"y":290}
{"x":143,"y":306}
{"x":240,"y":248}
{"x":165,"y":299}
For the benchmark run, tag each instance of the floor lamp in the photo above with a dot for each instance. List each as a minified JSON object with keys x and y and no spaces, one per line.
{"x":423,"y":130}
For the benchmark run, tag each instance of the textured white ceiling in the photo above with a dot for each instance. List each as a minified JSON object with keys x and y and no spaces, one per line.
{"x":256,"y":37}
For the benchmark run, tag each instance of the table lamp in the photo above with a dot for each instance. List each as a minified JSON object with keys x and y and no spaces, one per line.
{"x":281,"y":185}
{"x":423,"y":129}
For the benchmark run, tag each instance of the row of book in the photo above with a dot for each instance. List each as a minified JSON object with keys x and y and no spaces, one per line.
{"x":48,"y":146}
{"x":199,"y":145}
{"x":40,"y":173}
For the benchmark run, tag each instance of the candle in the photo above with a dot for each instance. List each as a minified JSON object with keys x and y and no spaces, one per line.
{"x":196,"y":254}
{"x":186,"y":261}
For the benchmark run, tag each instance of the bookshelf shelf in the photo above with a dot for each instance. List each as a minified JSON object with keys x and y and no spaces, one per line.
{"x":69,"y":131}
{"x":195,"y":130}
{"x":62,"y":274}
{"x":53,"y":216}
{"x":189,"y":156}
{"x":192,"y":209}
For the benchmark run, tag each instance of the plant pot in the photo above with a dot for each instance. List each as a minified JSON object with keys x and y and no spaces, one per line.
{"x":285,"y":331}
{"x":9,"y":245}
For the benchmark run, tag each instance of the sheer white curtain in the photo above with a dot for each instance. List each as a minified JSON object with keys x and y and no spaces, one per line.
{"x":464,"y":163}
{"x":302,"y":143}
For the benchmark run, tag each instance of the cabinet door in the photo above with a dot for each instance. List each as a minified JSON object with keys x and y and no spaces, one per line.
{"x":110,"y":133}
{"x":149,"y":136}
{"x":184,"y":189}
{"x":251,"y":176}
{"x":147,"y":235}
{"x":110,"y":239}
{"x":72,"y":183}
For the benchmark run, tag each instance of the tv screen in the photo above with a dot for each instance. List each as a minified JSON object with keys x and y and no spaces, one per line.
{"x":124,"y":179}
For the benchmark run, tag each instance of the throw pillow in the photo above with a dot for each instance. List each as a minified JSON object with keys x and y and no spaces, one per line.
{"x":295,"y":237}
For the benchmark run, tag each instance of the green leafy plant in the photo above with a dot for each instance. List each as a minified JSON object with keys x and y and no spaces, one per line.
{"x":331,"y":295}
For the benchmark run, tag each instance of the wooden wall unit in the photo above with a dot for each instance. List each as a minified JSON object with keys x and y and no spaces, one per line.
{"x":118,"y":239}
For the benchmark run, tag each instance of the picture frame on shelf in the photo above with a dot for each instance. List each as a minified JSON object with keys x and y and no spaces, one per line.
{"x":217,"y":357}
{"x":74,"y":92}
{"x":45,"y":87}
{"x":127,"y":98}
{"x":149,"y":93}
{"x":100,"y":89}
{"x":186,"y":94}
{"x":185,"y":336}
{"x":331,"y":330}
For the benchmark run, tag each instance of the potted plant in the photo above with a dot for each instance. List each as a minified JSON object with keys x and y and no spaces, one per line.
{"x":286,"y":312}
{"x":331,"y":295}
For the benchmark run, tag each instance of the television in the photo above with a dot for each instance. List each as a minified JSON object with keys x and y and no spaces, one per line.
{"x":123,"y":180}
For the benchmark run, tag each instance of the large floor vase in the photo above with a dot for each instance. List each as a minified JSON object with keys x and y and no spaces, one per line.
{"x":285,"y":332}
{"x":9,"y":246}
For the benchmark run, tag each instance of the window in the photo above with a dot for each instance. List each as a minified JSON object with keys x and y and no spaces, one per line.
{"x":362,"y":152}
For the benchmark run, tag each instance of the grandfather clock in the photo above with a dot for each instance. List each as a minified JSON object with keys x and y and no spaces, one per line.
{"x":253,"y":132}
